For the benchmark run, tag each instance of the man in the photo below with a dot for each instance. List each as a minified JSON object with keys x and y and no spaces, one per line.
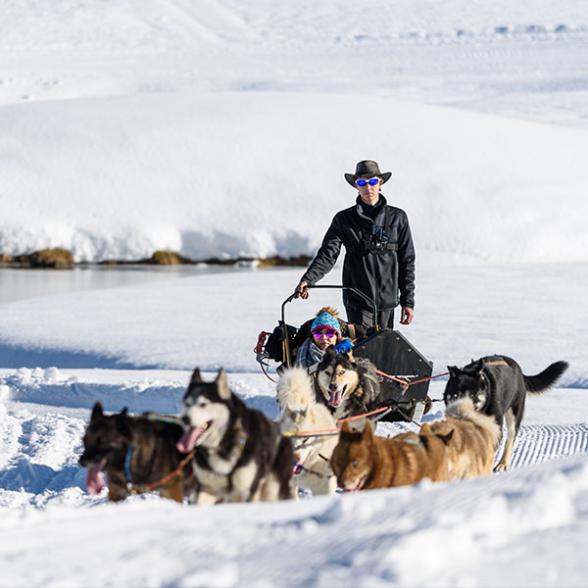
{"x":379,"y":258}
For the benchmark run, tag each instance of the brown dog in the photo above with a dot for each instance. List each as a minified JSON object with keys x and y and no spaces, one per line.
{"x":362,"y":461}
{"x":133,"y":452}
{"x":474,"y":439}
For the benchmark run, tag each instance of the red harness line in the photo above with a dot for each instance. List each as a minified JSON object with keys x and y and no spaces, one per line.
{"x":140,"y":488}
{"x":365,"y":414}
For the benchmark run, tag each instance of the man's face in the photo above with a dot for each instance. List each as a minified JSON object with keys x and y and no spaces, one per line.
{"x":369,"y":194}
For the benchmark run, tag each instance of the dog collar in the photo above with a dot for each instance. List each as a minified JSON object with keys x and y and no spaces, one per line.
{"x":127,"y":465}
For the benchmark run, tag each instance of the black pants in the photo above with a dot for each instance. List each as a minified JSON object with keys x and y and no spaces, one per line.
{"x":365,"y":317}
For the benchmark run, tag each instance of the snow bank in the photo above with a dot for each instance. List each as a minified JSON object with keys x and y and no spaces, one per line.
{"x":259,"y":174}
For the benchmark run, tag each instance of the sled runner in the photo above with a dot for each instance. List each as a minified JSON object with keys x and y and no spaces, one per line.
{"x":404,"y":373}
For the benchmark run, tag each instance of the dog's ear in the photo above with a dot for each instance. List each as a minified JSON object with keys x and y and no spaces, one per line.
{"x":366,"y":429}
{"x":425,"y":429}
{"x":122,"y":422}
{"x":346,"y":428}
{"x":97,"y":411}
{"x":196,"y":377}
{"x":447,"y":437}
{"x":222,"y":384}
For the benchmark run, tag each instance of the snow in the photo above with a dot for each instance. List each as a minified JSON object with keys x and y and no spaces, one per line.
{"x":223,"y":128}
{"x":103,"y":156}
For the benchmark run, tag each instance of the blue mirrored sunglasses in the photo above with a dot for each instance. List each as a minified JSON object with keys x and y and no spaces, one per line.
{"x":362,"y":181}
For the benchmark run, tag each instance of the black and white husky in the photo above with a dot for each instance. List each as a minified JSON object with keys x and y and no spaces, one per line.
{"x":240,"y":455}
{"x":497,"y":386}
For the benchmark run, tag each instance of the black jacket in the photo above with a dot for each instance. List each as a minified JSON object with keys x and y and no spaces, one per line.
{"x":379,"y":258}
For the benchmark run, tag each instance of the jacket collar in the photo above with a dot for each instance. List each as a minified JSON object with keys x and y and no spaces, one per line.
{"x":379,"y":217}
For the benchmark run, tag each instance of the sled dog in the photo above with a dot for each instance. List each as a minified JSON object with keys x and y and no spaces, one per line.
{"x":473,"y":439}
{"x":497,"y":386}
{"x":133,"y":451}
{"x":241,"y":455}
{"x":363,"y":461}
{"x":301,"y":413}
{"x":347,"y":385}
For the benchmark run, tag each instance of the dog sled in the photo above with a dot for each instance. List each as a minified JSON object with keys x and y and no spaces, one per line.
{"x":404,"y":372}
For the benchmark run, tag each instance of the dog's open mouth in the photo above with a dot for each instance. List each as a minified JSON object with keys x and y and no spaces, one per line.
{"x":358,"y":485}
{"x":337,"y":397}
{"x":95,"y":477}
{"x":191,"y":437}
{"x":297,"y":469}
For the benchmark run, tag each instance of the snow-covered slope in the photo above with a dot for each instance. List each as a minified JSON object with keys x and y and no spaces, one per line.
{"x":259,"y":174}
{"x":233,"y":120}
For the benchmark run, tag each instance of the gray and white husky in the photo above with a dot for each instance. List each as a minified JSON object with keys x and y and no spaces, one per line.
{"x":239,"y":454}
{"x":301,"y":413}
{"x":345,"y":384}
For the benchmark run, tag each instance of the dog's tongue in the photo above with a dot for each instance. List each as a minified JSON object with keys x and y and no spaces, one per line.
{"x":95,"y":479}
{"x":297,"y":469}
{"x":335,"y":399}
{"x":189,"y":438}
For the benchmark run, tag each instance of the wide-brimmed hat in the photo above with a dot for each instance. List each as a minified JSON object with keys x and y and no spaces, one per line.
{"x":368,"y":169}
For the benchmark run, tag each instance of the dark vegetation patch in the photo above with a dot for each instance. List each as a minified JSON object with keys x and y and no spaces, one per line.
{"x":58,"y":258}
{"x":54,"y":258}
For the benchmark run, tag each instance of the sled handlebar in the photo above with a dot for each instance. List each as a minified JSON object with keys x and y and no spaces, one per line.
{"x":286,"y":342}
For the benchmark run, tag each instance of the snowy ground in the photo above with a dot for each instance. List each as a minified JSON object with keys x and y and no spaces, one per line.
{"x":380,"y":538}
{"x":219,"y":127}
{"x":447,"y":534}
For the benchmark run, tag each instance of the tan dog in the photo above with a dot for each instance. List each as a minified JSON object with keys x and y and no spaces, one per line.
{"x":474,"y":439}
{"x":362,"y":461}
{"x":300,"y":412}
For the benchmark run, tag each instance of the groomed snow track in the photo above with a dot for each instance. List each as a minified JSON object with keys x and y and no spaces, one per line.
{"x":539,"y":443}
{"x":535,"y":443}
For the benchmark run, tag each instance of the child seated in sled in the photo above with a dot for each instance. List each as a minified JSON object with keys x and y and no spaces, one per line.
{"x":323,"y":331}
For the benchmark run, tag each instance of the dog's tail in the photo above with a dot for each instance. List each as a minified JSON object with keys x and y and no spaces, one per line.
{"x":464,"y":409}
{"x":549,"y":376}
{"x":295,"y":389}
